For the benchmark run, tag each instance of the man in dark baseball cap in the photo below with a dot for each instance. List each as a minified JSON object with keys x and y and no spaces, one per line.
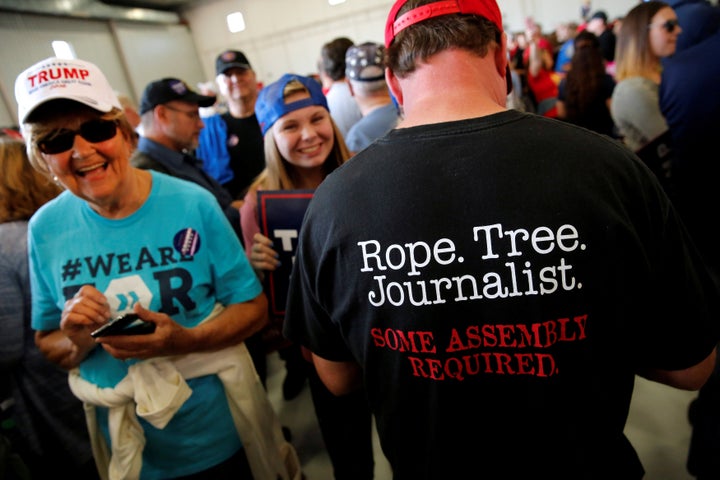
{"x":231,"y":59}
{"x":170,"y":131}
{"x":231,"y":143}
{"x":166,"y":90}
{"x":231,"y":147}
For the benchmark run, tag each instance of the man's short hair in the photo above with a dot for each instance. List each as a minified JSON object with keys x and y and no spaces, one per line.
{"x":332,"y":57}
{"x":422,"y":39}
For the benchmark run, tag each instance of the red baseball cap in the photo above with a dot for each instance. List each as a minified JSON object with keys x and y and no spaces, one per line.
{"x":484,"y":8}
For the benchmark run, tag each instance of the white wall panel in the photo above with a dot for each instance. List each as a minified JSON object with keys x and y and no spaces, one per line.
{"x":151,"y":52}
{"x":27,"y":39}
{"x":130,"y":54}
{"x":281,"y":36}
{"x":286,"y":35}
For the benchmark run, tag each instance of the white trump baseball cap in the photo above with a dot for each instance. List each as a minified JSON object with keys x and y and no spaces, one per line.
{"x":61,"y":78}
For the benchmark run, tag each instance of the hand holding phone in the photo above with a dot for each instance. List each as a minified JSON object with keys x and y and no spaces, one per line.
{"x":128,"y":324}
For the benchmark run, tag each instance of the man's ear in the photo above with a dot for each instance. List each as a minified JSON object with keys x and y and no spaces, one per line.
{"x":159,"y":114}
{"x":394,"y":86}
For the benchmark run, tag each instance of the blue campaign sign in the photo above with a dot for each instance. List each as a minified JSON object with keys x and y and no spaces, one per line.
{"x":281,"y":214}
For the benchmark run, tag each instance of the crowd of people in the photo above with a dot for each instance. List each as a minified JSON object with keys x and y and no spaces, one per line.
{"x":505,"y":228}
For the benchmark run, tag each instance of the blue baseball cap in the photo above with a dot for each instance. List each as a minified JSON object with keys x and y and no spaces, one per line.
{"x":270,"y":104}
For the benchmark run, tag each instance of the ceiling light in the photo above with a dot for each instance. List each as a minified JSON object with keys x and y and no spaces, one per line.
{"x":236,"y":22}
{"x":63,"y":49}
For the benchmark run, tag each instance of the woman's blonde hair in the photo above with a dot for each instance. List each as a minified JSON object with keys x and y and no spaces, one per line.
{"x":22,"y":188}
{"x":633,"y":55}
{"x":279,"y":174}
{"x":38,"y":127}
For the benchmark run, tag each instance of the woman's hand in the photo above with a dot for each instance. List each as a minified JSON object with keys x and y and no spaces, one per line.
{"x":234,"y":324}
{"x":86,"y":311}
{"x":169,"y":338}
{"x":67,"y":346}
{"x":262,"y":255}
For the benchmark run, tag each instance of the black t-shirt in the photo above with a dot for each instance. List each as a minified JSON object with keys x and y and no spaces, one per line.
{"x":247,"y":157}
{"x":607,"y":41}
{"x":500,"y":280}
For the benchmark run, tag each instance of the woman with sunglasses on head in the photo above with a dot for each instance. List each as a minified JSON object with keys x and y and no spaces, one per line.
{"x":123,"y":240}
{"x":649,"y":33}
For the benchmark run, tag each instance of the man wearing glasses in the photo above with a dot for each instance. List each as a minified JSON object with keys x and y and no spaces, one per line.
{"x":171,"y":127}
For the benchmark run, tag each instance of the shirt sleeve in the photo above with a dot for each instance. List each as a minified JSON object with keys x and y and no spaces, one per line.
{"x":249,"y":220}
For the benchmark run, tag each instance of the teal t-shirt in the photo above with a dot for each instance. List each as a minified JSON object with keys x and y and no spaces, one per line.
{"x":176,"y":254}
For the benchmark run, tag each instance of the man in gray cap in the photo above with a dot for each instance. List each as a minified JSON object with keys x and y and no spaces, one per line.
{"x":365,"y":71}
{"x":231,"y":144}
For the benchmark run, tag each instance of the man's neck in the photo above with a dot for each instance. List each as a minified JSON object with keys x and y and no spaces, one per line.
{"x":242,"y":108}
{"x":369,"y":103}
{"x":464,"y":95}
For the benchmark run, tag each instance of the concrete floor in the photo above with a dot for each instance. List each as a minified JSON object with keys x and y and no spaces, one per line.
{"x":657,"y":427}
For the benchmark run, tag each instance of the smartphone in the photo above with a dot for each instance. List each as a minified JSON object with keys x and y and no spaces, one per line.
{"x":128,"y":324}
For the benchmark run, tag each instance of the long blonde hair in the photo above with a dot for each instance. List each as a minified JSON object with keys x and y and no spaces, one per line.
{"x":22,"y":188}
{"x":633,"y":55}
{"x":279,"y":174}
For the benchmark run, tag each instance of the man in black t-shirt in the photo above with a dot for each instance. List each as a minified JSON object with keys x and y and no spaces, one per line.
{"x":231,"y":144}
{"x":495,"y":280}
{"x":598,"y":24}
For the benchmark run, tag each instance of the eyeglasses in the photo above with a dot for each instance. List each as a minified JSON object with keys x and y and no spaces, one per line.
{"x":192,"y":114}
{"x":668,"y":25}
{"x":94,"y":131}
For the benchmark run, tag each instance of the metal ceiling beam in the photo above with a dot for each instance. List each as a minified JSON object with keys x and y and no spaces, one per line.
{"x":89,"y":9}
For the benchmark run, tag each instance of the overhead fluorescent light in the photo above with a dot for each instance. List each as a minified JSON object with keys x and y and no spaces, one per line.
{"x":63,"y":49}
{"x":336,"y":2}
{"x":236,"y":22}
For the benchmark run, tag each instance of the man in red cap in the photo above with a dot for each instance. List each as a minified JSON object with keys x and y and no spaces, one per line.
{"x":494,"y":278}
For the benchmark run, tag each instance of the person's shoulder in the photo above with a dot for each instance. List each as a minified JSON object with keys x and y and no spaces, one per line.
{"x":182,"y":192}
{"x":250,"y":198}
{"x":629,"y":86}
{"x":338,"y":89}
{"x":567,"y":139}
{"x":638,"y":85}
{"x":13,"y":246}
{"x":59,"y":207}
{"x":141,"y":159}
{"x":608,"y":80}
{"x":10,"y":232}
{"x":389,"y":110}
{"x":165,"y":180}
{"x":211,"y":121}
{"x":13,"y":226}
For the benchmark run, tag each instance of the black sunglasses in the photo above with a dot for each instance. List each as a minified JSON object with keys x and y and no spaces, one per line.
{"x":62,"y":140}
{"x":669,"y":25}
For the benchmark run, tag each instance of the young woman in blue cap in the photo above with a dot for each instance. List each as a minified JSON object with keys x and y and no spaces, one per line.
{"x":303,"y":145}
